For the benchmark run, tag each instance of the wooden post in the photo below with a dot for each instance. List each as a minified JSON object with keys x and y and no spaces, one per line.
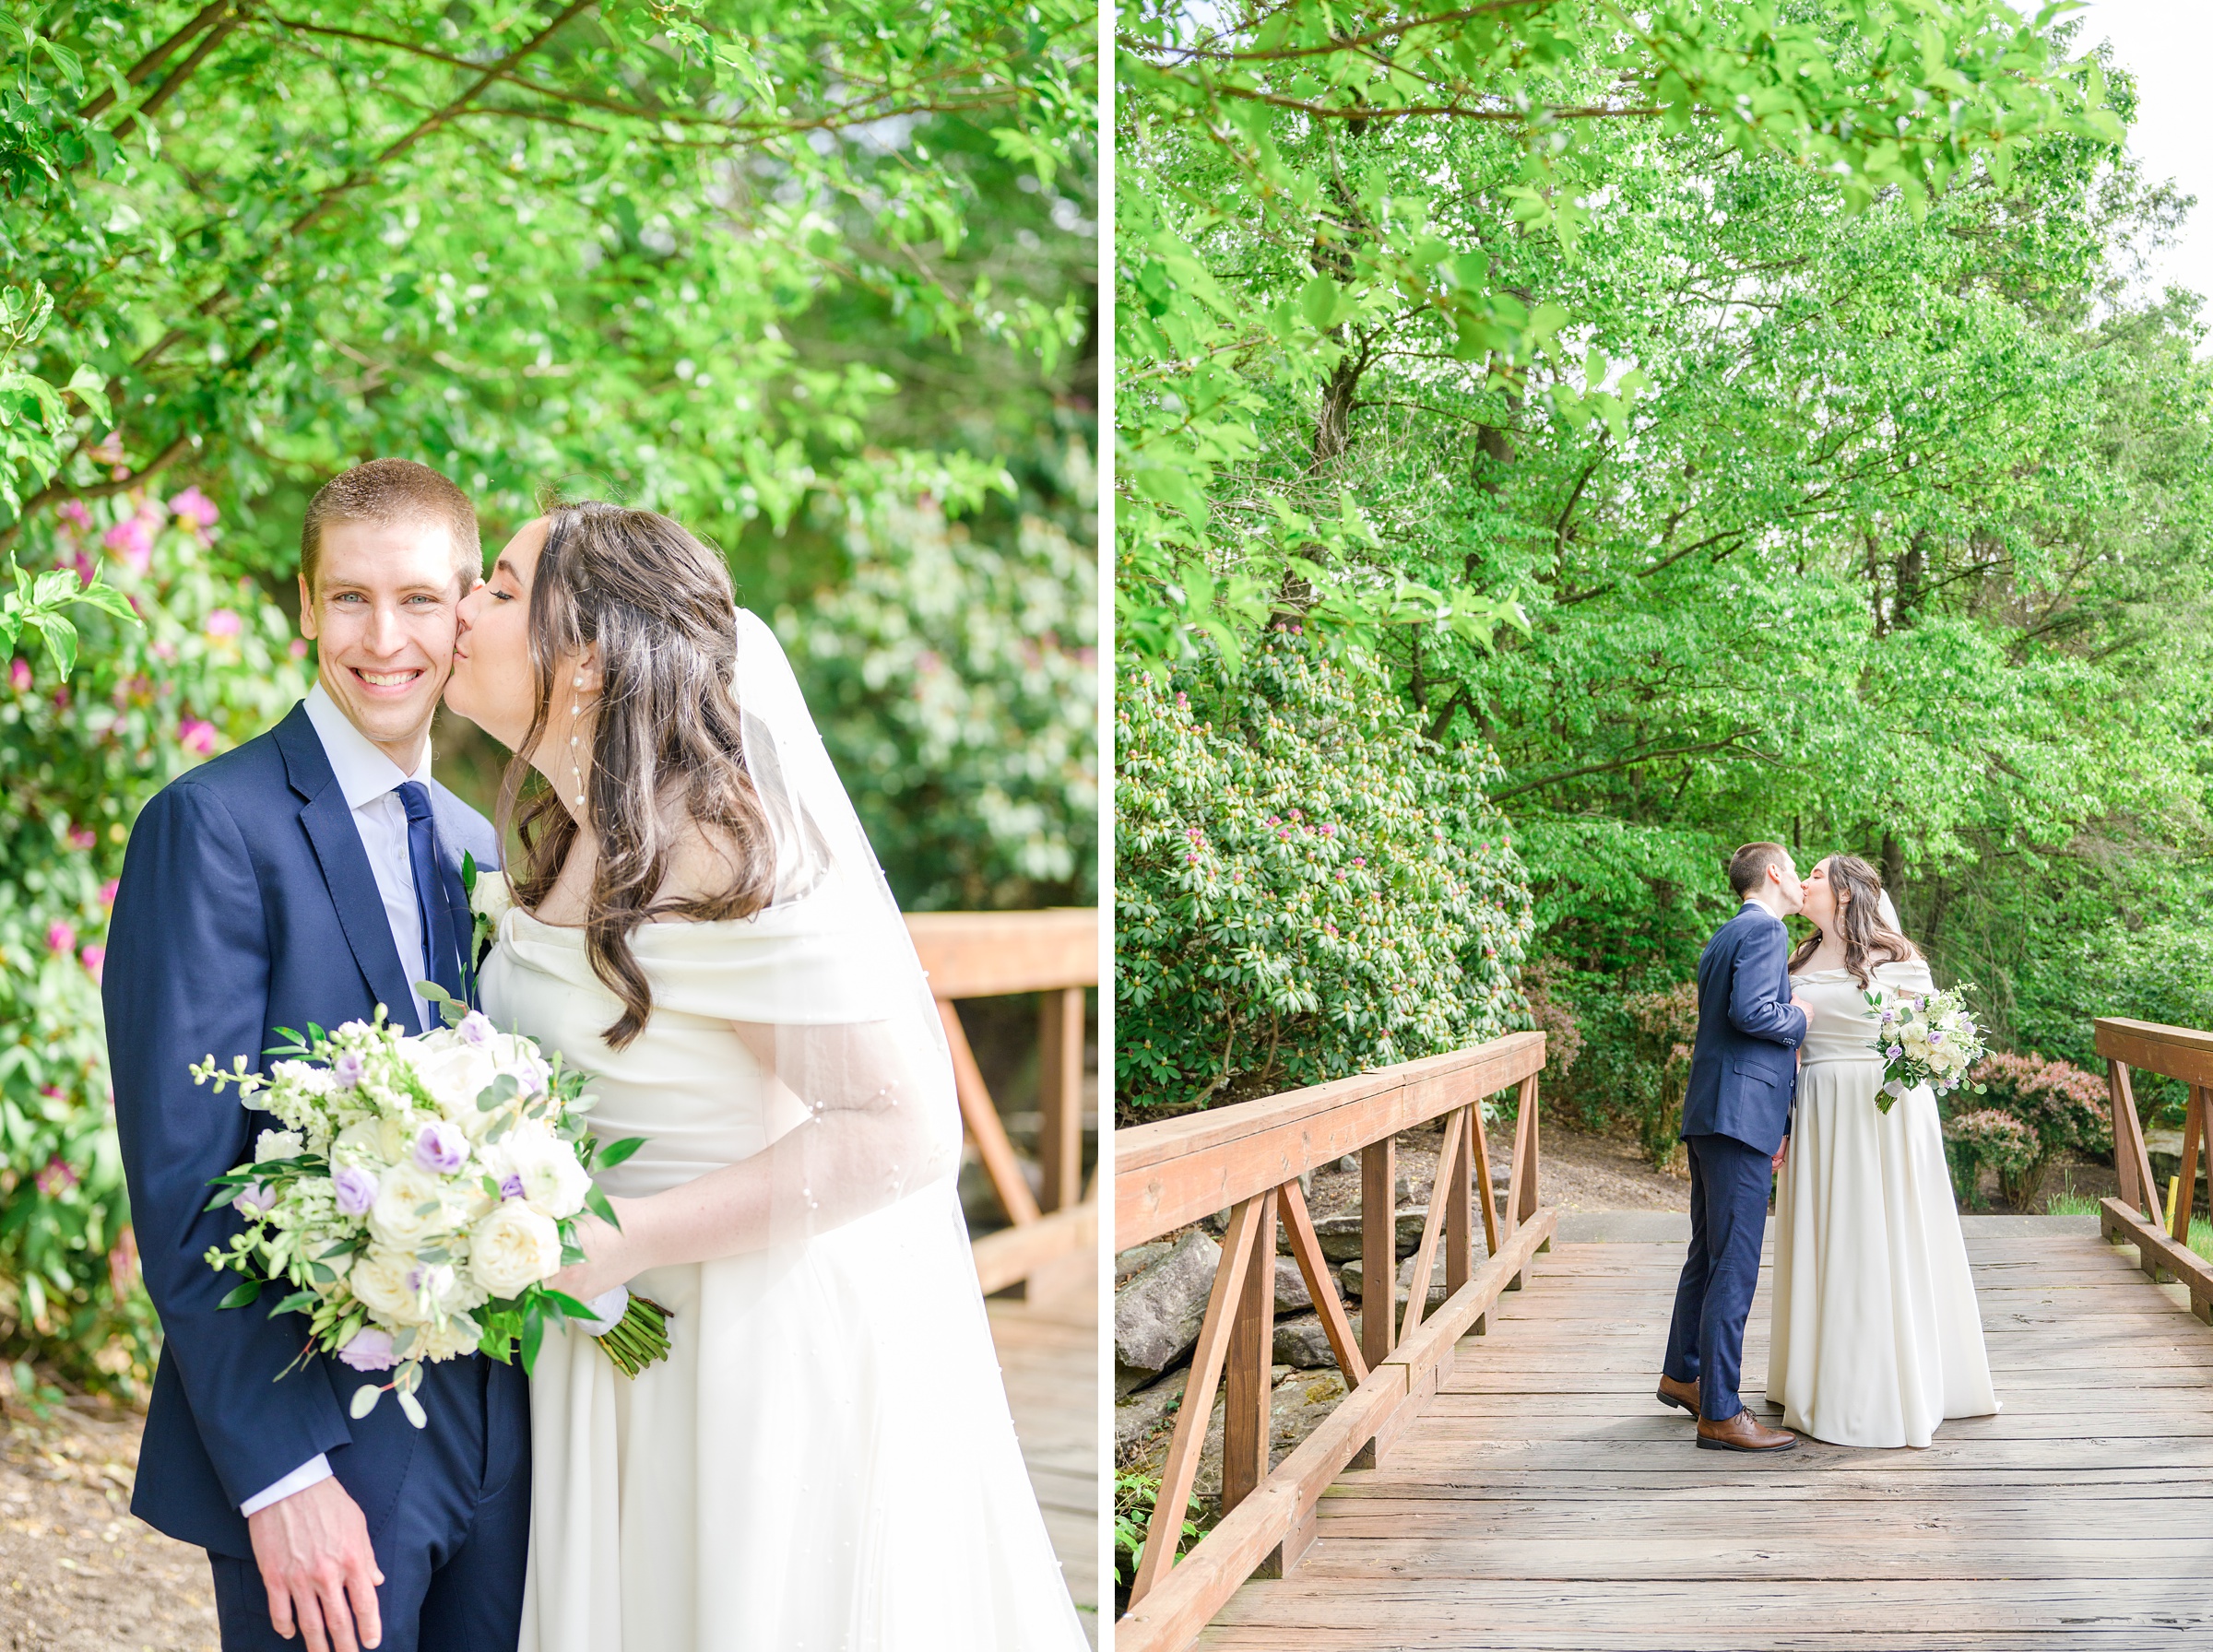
{"x":2194,"y":1127}
{"x":1246,"y":1388}
{"x":1378,"y":1247}
{"x":1379,"y":1261}
{"x":1061,"y":1096}
{"x":1452,"y":1179}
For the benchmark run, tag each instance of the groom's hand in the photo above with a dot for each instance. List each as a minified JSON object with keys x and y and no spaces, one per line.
{"x":320,"y":1574}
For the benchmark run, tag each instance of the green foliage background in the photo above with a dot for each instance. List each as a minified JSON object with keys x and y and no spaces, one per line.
{"x":815,"y":278}
{"x":1734,"y":445}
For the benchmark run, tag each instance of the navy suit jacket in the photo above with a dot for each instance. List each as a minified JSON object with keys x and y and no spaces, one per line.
{"x":1744,"y":1067}
{"x":247,"y":905}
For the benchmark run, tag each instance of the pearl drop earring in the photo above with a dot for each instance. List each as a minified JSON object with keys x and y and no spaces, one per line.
{"x":575,"y":768}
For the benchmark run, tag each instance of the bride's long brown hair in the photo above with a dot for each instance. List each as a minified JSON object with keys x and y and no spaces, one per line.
{"x":1869,"y":940}
{"x":665,"y":735}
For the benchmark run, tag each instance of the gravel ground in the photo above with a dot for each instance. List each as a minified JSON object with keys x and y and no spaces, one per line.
{"x":80,"y":1575}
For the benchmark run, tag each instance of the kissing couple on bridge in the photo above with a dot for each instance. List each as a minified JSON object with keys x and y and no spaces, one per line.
{"x":1875,"y":1337}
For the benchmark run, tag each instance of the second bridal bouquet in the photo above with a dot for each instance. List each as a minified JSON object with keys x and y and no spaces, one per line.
{"x":420,"y":1195}
{"x":1923,"y":1038}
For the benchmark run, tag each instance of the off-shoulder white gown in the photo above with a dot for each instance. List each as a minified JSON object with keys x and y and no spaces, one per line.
{"x":1877,"y":1335}
{"x":826,"y":1463}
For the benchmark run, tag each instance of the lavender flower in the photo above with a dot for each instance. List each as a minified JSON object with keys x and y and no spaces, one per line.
{"x":441,"y":1147}
{"x":512,"y":1187}
{"x":370,"y":1349}
{"x":475,"y":1029}
{"x":356,"y":1189}
{"x":347,"y":1069}
{"x":257,"y":1199}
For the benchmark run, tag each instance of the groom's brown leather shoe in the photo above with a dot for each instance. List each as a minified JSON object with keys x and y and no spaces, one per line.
{"x":1682,"y":1395}
{"x":1741,"y":1433}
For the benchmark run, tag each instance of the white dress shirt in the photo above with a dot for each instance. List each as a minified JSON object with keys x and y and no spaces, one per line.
{"x":370,"y":781}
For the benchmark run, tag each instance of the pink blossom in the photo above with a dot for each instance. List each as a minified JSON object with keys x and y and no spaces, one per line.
{"x":195,"y":507}
{"x":298,"y":648}
{"x":81,"y":837}
{"x":73,"y":510}
{"x":19,"y":675}
{"x":61,"y":937}
{"x":107,"y":891}
{"x":94,"y":957}
{"x":56,"y":1177}
{"x":197,"y":736}
{"x":223,"y":623}
{"x":133,"y":540}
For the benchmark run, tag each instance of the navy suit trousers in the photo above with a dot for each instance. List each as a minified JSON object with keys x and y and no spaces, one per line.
{"x":1729,"y":1184}
{"x":452,"y":1536}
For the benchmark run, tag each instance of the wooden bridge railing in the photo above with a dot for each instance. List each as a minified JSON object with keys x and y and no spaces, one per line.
{"x":1247,"y":1159}
{"x":2181,"y":1054}
{"x":987,"y":954}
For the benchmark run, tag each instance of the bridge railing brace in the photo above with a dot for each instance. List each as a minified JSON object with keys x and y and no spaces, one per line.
{"x":1246,"y":1160}
{"x":2181,"y":1054}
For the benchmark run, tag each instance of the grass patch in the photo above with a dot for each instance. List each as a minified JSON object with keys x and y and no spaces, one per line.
{"x":2082,"y":1204}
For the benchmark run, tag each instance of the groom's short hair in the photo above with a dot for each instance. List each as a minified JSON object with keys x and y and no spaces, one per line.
{"x":391,"y":490}
{"x":1749,"y":865}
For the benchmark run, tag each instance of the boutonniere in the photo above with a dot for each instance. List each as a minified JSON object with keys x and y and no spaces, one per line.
{"x":488,"y":900}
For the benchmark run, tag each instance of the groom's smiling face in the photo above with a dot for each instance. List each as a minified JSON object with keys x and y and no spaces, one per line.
{"x":382,"y":610}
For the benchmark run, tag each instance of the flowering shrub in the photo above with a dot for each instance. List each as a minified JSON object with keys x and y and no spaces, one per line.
{"x":1304,"y":886}
{"x":956,"y":685}
{"x":1985,"y":1137}
{"x":2059,"y":1105}
{"x":214,"y":665}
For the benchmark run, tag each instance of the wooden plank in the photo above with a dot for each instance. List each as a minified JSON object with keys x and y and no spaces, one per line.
{"x":1061,"y":1096}
{"x":1386,"y":1547}
{"x":1245,"y":1385}
{"x":1014,"y":1254}
{"x":982,"y":1120}
{"x":2130,"y":1161}
{"x":984,"y":954}
{"x":2178,"y":1051}
{"x":2157,"y":1247}
{"x":1163,"y":1532}
{"x":1169,"y":1174}
{"x":1484,"y":1195}
{"x":1525,"y":1153}
{"x":1431,"y":1345}
{"x":1348,"y":1520}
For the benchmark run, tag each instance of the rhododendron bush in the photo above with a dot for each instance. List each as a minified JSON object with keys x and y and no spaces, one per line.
{"x":212,"y":663}
{"x":1305,"y":886}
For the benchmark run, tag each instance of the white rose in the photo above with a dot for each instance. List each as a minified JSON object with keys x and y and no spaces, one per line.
{"x":381,"y":1284}
{"x":410,"y":1208}
{"x":279,"y":1144}
{"x":552,"y":1179}
{"x":514,"y":1246}
{"x":371,"y":1144}
{"x":457,"y":1074}
{"x":493,"y":898}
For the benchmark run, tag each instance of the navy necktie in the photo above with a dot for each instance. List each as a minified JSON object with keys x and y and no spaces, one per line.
{"x":441,"y":948}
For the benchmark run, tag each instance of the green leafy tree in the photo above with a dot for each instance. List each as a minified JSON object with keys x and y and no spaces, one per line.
{"x":773,"y":269}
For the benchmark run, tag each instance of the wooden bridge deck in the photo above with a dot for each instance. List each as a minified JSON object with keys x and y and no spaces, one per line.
{"x":1544,"y":1501}
{"x":1049,"y":1355}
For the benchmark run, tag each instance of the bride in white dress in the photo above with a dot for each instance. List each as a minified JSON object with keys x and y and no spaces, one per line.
{"x":825,"y":1461}
{"x":1876,"y":1336}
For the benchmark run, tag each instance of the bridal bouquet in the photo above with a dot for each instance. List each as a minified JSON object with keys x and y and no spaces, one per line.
{"x":1923,"y":1038}
{"x":421,"y":1191}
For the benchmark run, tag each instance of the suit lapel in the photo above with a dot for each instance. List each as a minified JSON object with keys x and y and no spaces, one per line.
{"x":345,"y":864}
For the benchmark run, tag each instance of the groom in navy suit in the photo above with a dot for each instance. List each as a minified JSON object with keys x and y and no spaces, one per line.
{"x":1736,"y":1115}
{"x":310,"y":876}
